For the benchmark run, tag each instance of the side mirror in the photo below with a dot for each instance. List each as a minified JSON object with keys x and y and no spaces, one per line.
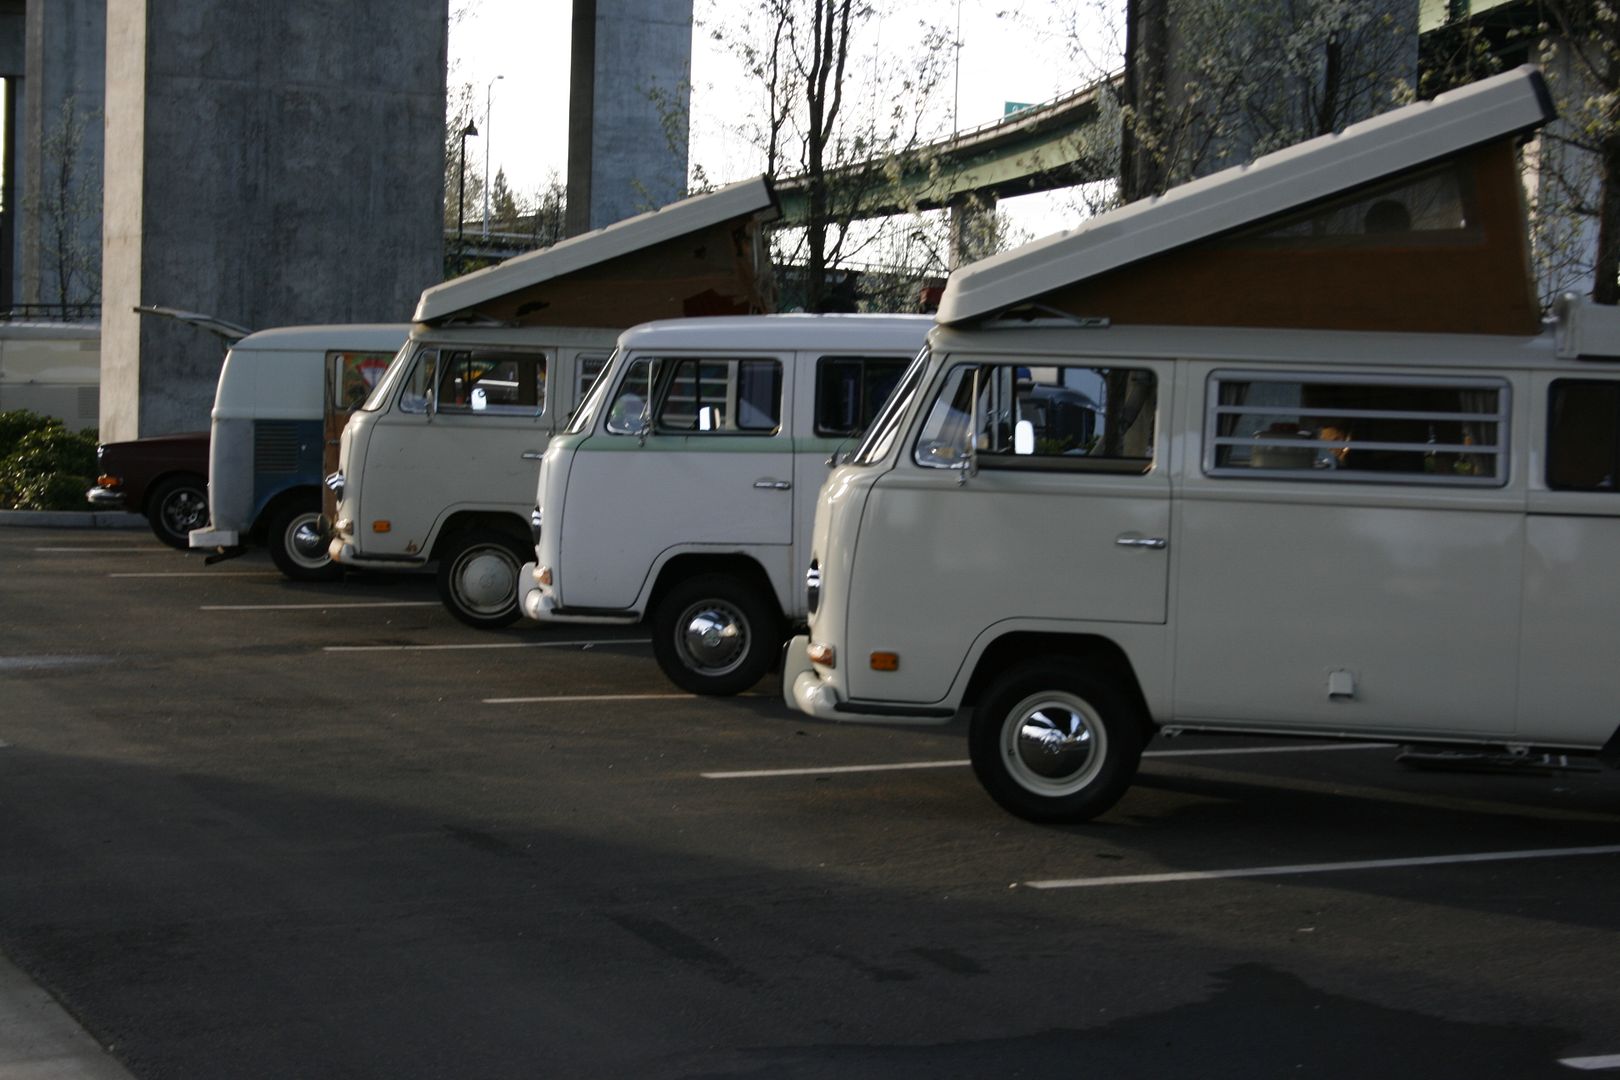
{"x":480,"y":399}
{"x":1024,"y":438}
{"x":628,"y":425}
{"x":708,"y":418}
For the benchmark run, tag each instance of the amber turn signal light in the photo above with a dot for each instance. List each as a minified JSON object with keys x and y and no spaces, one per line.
{"x":885,"y":661}
{"x":382,"y":526}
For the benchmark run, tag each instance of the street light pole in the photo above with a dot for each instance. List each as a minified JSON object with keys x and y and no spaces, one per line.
{"x":488,"y":95}
{"x":461,"y":196}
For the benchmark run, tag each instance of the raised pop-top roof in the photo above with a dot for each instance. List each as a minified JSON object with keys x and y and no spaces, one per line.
{"x":1173,"y":258}
{"x":696,"y":256}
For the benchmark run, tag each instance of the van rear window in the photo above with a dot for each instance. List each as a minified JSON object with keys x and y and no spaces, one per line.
{"x":1583,"y":435}
{"x":1332,"y":427}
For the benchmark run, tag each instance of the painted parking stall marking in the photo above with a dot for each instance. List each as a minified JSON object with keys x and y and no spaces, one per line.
{"x":586,"y":697}
{"x":198,"y":573}
{"x":319,"y":606}
{"x":754,"y":774}
{"x":1592,"y":1064}
{"x":105,"y":550}
{"x":481,"y":646}
{"x":1323,"y":868}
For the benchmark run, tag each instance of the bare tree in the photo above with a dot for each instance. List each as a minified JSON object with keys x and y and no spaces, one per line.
{"x":837,"y":115}
{"x":1580,"y":165}
{"x":68,"y":205}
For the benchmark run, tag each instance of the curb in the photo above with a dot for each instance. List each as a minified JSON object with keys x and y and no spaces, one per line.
{"x":72,"y":519}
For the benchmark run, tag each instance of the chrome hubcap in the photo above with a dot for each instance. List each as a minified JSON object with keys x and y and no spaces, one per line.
{"x":712,"y":637}
{"x":304,"y":541}
{"x":184,"y":511}
{"x":1054,"y":743}
{"x":486,"y":580}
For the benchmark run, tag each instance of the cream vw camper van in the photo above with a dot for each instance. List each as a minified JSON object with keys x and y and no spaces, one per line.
{"x":682,"y":491}
{"x":1287,"y":450}
{"x":440,"y":461}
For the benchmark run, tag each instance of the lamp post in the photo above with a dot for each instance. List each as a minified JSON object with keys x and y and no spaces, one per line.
{"x":488,"y":92}
{"x":461,"y":194}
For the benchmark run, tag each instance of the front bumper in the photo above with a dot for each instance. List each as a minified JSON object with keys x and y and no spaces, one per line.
{"x":212,"y":538}
{"x":540,"y":605}
{"x":104,"y":498}
{"x":802,"y":685}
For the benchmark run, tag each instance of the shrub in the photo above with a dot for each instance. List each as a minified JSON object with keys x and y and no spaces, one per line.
{"x":48,"y":468}
{"x":19,"y":422}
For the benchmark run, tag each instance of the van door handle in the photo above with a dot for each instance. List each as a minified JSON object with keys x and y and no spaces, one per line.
{"x":773,"y":485}
{"x":532,"y":455}
{"x":1157,"y":543}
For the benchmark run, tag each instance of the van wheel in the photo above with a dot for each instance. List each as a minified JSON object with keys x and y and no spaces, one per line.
{"x":713,"y":634}
{"x":1053,"y":743}
{"x":478,"y":577}
{"x":297,"y":547}
{"x":175,"y":507}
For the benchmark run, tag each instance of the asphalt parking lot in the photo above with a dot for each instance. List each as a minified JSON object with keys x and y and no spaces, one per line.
{"x":261,"y":829}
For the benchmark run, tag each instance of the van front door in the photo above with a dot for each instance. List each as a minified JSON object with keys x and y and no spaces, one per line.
{"x":707,"y":465}
{"x":1035,"y":497}
{"x":466,"y":434}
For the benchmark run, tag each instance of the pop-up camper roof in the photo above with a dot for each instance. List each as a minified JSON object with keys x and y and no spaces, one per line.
{"x":699,"y":256}
{"x":1412,"y":220}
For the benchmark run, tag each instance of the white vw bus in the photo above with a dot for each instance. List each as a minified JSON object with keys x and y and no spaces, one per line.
{"x":440,"y":461}
{"x":682,"y":491}
{"x":1243,"y":459}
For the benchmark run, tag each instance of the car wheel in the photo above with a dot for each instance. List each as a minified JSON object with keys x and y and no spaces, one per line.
{"x":1053,"y":742}
{"x":297,"y":547}
{"x":176,"y":506}
{"x":478,"y":577}
{"x":715,"y":635}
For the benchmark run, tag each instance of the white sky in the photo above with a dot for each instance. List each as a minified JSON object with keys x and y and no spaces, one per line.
{"x":1021,"y":58}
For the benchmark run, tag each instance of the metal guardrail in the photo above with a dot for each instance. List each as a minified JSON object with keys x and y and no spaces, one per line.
{"x":51,"y":313}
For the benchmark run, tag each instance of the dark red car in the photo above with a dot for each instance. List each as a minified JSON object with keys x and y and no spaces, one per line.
{"x":164,"y":477}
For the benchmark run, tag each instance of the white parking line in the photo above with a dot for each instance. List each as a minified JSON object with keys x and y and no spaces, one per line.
{"x":315,"y":607}
{"x":586,"y":697}
{"x":106,"y":550}
{"x":1322,"y":868}
{"x":754,"y":774}
{"x":751,"y":774}
{"x":1592,"y":1064}
{"x":202,"y":573}
{"x":486,"y":645}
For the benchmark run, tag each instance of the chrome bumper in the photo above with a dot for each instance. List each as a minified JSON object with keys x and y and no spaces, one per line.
{"x":105,"y":498}
{"x":802,"y":686}
{"x":213,"y":538}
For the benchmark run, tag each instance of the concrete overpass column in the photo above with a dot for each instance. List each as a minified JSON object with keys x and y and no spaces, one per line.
{"x":628,"y":101}
{"x":270,"y":164}
{"x":973,"y":227}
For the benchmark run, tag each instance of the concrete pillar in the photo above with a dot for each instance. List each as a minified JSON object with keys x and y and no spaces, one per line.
{"x":270,"y":164}
{"x":628,"y":102}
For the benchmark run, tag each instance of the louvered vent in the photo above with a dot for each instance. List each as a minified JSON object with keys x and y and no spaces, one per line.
{"x":275,"y":446}
{"x":89,"y":404}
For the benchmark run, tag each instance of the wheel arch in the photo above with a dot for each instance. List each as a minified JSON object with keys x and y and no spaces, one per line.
{"x":501,"y":521}
{"x":735,"y":564}
{"x":1093,"y":651}
{"x":157,"y":481}
{"x":274,"y":504}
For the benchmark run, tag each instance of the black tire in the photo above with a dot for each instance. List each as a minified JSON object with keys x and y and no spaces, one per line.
{"x":175,"y":506}
{"x":296,"y":546}
{"x":478,"y":571}
{"x":1093,"y":735}
{"x":737,"y":643}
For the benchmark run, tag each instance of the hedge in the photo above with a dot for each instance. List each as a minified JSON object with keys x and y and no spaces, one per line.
{"x":44,"y":466}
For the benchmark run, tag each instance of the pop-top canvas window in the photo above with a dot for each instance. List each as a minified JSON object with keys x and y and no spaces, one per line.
{"x":1430,"y":204}
{"x":1353,"y":428}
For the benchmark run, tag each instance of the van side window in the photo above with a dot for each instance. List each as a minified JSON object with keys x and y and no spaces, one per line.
{"x":1583,"y":435}
{"x":719,"y":396}
{"x":1043,"y":416}
{"x":486,"y":381}
{"x":851,"y":389}
{"x":587,"y":368}
{"x":1340,"y":427}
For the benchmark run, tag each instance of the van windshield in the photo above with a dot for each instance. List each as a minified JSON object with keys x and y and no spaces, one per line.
{"x":385,"y":385}
{"x":880,"y":440}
